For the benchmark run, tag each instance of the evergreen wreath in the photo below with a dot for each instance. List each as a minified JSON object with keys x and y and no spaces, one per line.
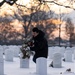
{"x":25,"y":49}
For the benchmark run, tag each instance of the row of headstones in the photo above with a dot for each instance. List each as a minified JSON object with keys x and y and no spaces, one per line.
{"x":57,"y":59}
{"x":9,"y":52}
{"x":68,"y":54}
{"x":24,"y":63}
{"x":41,"y":63}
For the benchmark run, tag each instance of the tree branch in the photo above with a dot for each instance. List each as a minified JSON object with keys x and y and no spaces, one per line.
{"x":59,"y":4}
{"x":1,"y":3}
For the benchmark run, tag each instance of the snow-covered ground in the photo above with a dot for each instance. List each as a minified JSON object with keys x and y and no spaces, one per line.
{"x":13,"y":68}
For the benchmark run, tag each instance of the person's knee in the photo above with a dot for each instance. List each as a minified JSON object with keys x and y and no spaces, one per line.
{"x":34,"y":60}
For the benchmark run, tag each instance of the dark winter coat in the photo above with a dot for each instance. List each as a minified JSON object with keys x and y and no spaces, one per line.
{"x":40,"y":45}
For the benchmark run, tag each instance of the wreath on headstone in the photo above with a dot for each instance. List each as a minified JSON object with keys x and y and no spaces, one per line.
{"x":25,"y":49}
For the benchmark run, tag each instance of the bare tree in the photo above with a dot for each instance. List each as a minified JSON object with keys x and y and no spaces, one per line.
{"x":10,"y":2}
{"x":69,"y":30}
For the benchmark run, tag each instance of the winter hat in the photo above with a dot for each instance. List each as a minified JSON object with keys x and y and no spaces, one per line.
{"x":35,"y":29}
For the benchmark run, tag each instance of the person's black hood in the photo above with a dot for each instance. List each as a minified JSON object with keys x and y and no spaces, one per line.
{"x":40,"y":36}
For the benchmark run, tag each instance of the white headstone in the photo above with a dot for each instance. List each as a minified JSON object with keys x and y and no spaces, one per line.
{"x":2,"y":67}
{"x":41,"y":66}
{"x":1,"y":63}
{"x":68,"y":56}
{"x":74,"y":54}
{"x":57,"y":63}
{"x":58,"y":49}
{"x":62,"y":51}
{"x":68,"y":48}
{"x":9,"y":54}
{"x":16,"y":51}
{"x":4,"y":48}
{"x":24,"y":63}
{"x":50,"y":52}
{"x":1,"y":54}
{"x":73,"y":48}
